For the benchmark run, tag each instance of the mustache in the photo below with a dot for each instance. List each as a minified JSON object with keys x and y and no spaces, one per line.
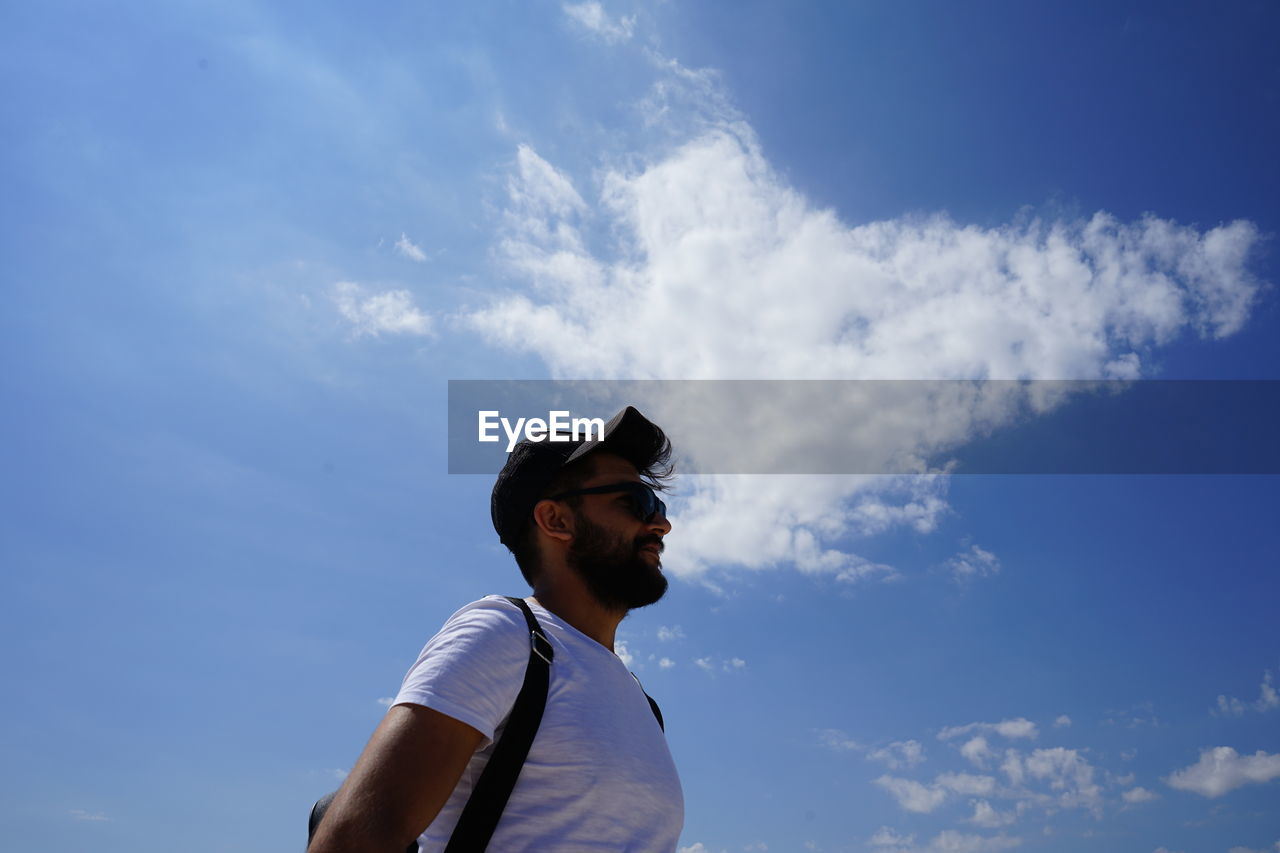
{"x":650,"y":539}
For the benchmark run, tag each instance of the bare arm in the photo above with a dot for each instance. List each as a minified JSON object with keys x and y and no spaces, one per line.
{"x":398,"y":786}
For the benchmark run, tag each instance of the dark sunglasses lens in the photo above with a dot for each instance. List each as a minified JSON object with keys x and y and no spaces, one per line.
{"x":646,"y":503}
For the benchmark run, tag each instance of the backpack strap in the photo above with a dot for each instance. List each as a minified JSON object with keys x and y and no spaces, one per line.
{"x":489,"y":797}
{"x":653,"y":706}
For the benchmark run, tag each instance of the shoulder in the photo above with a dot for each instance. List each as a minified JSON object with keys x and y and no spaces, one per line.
{"x":493,"y":620}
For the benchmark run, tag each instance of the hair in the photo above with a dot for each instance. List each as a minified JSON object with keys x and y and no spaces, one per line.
{"x":656,"y":470}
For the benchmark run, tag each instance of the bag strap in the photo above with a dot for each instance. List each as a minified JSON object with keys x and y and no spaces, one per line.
{"x":489,"y":797}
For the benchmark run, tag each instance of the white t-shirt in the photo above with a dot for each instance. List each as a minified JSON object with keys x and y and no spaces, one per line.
{"x":599,"y":776}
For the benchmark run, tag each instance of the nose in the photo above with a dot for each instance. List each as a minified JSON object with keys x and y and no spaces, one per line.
{"x":660,"y":524}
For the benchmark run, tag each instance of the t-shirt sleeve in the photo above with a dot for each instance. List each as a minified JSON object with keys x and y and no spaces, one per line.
{"x":473,"y":668}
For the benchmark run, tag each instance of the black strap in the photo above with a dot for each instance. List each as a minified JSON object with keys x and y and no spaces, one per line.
{"x":489,"y":797}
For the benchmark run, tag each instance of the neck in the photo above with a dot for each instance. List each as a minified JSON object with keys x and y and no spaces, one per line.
{"x":571,"y":602}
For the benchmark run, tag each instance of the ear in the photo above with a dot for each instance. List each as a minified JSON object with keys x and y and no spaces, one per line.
{"x":555,"y":519}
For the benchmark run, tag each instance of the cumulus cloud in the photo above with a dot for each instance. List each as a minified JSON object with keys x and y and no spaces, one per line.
{"x":1134,"y":796}
{"x":977,"y":751}
{"x":986,"y":815}
{"x":886,"y":840}
{"x":975,"y":563}
{"x":666,"y":663}
{"x":1062,"y":722}
{"x":409,"y":249}
{"x":716,"y":268}
{"x":1222,"y":769}
{"x":912,"y":795}
{"x":1070,"y":777}
{"x":966,"y":783}
{"x":1019,"y":727}
{"x":391,"y":312}
{"x":1268,"y":700}
{"x":899,"y":754}
{"x":592,"y":17}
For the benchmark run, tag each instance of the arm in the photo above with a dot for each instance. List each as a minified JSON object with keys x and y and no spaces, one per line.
{"x":401,"y":781}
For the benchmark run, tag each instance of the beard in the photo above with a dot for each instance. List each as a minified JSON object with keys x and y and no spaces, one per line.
{"x":614,"y":570}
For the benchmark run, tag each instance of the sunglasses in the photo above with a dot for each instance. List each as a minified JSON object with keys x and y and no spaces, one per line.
{"x":641,"y":497}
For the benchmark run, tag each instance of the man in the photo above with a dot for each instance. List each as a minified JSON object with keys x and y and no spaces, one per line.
{"x":586,"y":529}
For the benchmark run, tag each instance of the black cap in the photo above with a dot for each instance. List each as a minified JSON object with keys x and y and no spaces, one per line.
{"x":533,"y":465}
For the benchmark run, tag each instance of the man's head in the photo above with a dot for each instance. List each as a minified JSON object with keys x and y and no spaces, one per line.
{"x":598,"y":529}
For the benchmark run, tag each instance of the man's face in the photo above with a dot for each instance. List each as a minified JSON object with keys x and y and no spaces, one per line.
{"x":615,"y":553}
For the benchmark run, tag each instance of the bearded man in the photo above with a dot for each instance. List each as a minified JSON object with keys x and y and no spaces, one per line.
{"x":586,"y":527}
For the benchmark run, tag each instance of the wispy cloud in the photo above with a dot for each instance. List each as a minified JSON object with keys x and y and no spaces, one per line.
{"x":671,"y":633}
{"x":1268,"y":700}
{"x":886,"y":840}
{"x":975,"y":563}
{"x":899,"y":754}
{"x":409,"y":249}
{"x":591,"y":17}
{"x":81,"y":814}
{"x":837,"y":740}
{"x":712,"y":665}
{"x":391,"y":312}
{"x":1221,"y":770}
{"x":1015,"y":728}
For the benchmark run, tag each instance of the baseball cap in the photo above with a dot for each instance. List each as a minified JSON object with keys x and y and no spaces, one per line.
{"x":533,"y":465}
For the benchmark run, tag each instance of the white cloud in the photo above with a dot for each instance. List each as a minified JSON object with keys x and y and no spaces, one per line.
{"x":1221,"y":769}
{"x":624,"y":654}
{"x":668,"y":634}
{"x":911,"y":795}
{"x":947,"y":841}
{"x":390,"y":312}
{"x":386,"y":701}
{"x":977,"y":751}
{"x":886,"y":837}
{"x":95,"y":817}
{"x":1062,"y":722}
{"x":1069,"y":775}
{"x":1013,"y":767}
{"x":406,"y":247}
{"x":837,"y":740}
{"x":1272,"y":849}
{"x":899,"y":754}
{"x":966,"y":783}
{"x":1139,"y":795}
{"x":717,"y":268}
{"x":1019,"y":727}
{"x":666,"y":663}
{"x":975,"y":563}
{"x":1268,"y":700}
{"x":705,"y":664}
{"x":985,"y":815}
{"x":592,"y":17}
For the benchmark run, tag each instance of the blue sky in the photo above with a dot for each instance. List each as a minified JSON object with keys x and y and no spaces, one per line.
{"x":248,"y":244}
